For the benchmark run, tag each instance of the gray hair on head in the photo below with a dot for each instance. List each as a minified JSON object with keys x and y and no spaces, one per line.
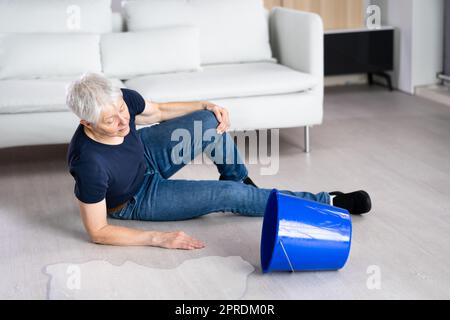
{"x":87,"y":96}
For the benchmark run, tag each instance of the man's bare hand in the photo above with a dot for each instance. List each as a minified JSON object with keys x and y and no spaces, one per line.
{"x":177,"y":240}
{"x":221,"y":114}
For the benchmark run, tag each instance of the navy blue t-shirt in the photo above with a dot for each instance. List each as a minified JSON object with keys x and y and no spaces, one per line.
{"x":114,"y":172}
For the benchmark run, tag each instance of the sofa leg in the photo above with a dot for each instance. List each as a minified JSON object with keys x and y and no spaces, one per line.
{"x":306,"y":139}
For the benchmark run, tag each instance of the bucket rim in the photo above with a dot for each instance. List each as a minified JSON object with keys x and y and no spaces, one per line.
{"x":350,"y":234}
{"x":267,"y":262}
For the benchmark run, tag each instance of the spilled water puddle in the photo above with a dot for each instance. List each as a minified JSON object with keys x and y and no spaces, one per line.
{"x":204,"y":278}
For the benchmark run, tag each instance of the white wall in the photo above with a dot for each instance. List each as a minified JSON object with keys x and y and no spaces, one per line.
{"x":418,"y":47}
{"x":398,"y":13}
{"x":428,"y":41}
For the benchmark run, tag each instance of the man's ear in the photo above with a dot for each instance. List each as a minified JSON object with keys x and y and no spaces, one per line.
{"x":86,"y":123}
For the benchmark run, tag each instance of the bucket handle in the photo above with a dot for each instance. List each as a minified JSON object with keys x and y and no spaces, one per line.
{"x":287,"y":257}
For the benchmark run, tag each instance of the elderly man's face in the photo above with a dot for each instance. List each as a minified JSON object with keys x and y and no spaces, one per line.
{"x":114,"y":120}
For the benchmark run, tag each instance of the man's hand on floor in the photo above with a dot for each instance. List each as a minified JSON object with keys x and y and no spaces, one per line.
{"x":177,"y":240}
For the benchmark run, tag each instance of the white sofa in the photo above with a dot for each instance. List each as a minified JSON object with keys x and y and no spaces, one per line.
{"x":275,"y":86}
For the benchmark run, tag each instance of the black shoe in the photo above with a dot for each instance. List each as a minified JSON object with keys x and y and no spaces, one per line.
{"x":356,"y":202}
{"x":247,"y":180}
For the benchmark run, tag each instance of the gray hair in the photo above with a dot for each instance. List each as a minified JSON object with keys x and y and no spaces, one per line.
{"x":89,"y":94}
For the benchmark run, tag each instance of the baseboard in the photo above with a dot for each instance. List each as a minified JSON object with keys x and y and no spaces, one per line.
{"x":435,"y":92}
{"x":344,"y":80}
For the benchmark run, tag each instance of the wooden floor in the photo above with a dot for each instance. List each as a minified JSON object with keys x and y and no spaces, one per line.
{"x":395,"y":146}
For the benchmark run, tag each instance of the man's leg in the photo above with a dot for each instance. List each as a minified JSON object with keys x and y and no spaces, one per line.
{"x":166,"y":157}
{"x":168,"y":200}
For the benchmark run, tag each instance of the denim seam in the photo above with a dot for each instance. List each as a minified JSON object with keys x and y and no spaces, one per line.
{"x":230,"y":209}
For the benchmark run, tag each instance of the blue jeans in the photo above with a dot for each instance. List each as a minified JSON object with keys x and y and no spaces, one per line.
{"x":163,"y":199}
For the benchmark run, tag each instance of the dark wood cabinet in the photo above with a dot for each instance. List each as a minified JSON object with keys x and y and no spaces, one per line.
{"x":360,"y":51}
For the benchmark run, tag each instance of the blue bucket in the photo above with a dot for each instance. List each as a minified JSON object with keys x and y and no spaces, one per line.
{"x":303,"y":235}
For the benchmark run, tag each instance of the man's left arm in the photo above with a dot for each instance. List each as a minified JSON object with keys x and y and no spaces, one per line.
{"x":159,"y":112}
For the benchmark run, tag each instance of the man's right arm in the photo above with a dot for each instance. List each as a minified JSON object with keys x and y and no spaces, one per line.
{"x":95,"y":221}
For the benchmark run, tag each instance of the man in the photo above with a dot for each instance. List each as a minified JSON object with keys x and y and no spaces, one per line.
{"x":124,"y":173}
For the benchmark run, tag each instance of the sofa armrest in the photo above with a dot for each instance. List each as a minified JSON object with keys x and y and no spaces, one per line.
{"x":297,"y":40}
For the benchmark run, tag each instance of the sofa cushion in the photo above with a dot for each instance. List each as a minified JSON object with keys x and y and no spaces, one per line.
{"x":223,"y":81}
{"x":55,"y":16}
{"x":118,"y":22}
{"x":37,"y":95}
{"x":161,"y":50}
{"x":48,"y":55}
{"x":230,"y":30}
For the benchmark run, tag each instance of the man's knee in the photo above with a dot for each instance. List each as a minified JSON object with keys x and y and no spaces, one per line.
{"x":209,"y":120}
